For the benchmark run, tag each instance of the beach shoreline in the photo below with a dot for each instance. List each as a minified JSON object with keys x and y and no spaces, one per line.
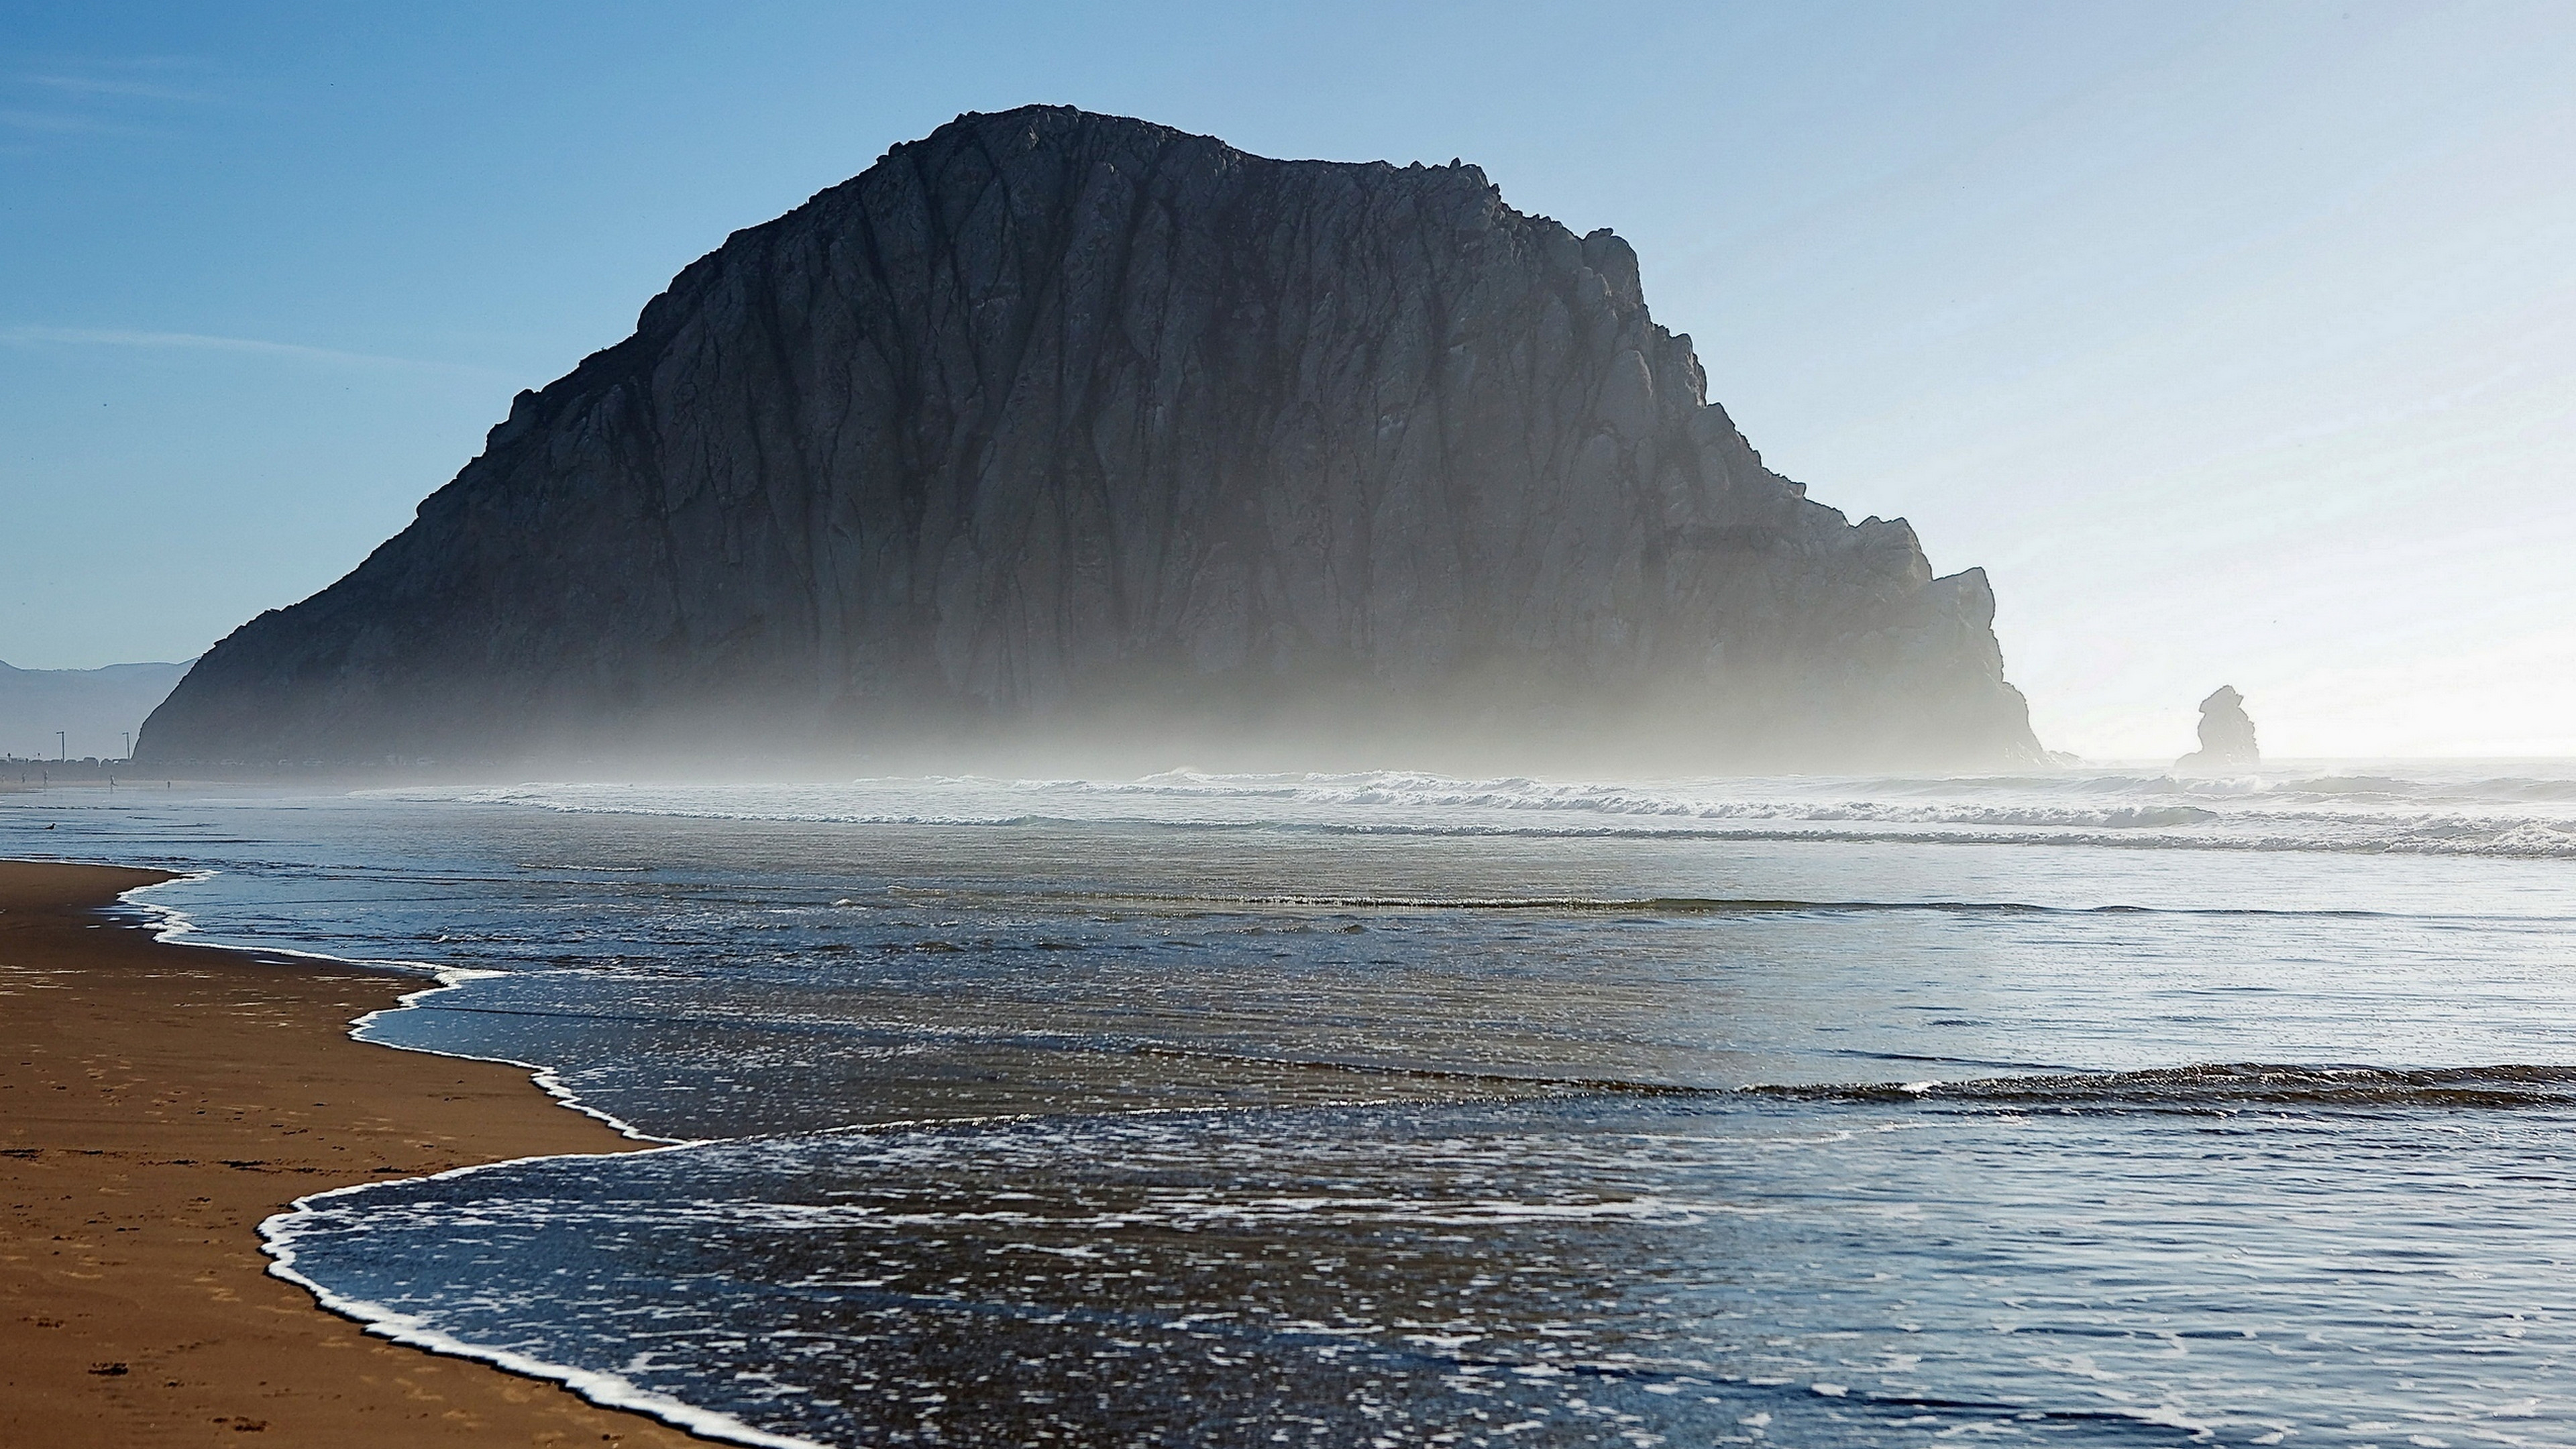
{"x":157,"y":1103}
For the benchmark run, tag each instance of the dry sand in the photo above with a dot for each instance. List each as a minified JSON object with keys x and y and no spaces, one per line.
{"x":158,"y":1101}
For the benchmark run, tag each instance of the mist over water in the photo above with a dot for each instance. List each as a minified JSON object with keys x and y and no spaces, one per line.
{"x":2477,"y":809}
{"x":2089,"y":1107}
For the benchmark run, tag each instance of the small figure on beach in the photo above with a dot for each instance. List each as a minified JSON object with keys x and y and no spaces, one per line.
{"x":2226,"y":736}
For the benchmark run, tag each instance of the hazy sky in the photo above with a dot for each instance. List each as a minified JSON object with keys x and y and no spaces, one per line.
{"x":2237,"y":342}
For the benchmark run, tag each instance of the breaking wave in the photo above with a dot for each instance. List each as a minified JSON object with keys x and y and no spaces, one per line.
{"x":2530,"y":817}
{"x":2229,"y":1086}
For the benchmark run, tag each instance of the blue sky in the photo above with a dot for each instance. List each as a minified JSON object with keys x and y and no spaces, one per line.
{"x":2238,"y":342}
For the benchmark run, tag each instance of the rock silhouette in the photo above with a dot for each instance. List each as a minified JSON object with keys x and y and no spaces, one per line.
{"x":1058,"y":432}
{"x":2226,"y":736}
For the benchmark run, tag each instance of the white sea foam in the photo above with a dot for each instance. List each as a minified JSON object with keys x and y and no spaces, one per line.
{"x":278,"y":1239}
{"x":2433,"y":814}
{"x":173,"y":926}
{"x":278,"y":1233}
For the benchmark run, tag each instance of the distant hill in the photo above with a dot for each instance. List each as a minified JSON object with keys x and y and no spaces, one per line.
{"x":94,"y":708}
{"x":1061,"y":438}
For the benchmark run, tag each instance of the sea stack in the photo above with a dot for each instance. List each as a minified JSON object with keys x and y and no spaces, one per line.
{"x":2226,"y":736}
{"x":1065,"y":440}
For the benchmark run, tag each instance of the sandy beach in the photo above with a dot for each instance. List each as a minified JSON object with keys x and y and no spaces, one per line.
{"x":157,"y":1102}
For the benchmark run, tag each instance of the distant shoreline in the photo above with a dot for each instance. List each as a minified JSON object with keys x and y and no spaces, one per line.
{"x":158,"y":1102}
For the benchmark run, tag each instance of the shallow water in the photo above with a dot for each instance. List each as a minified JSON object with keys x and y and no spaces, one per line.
{"x":2083,"y":1108}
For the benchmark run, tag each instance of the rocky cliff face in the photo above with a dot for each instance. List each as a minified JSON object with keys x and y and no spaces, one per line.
{"x":1068,"y":431}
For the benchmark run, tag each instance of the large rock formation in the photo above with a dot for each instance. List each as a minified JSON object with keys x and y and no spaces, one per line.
{"x":2226,"y":736}
{"x":1061,"y":432}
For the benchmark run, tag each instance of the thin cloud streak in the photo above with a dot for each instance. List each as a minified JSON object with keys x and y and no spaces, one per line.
{"x":31,"y":336}
{"x":57,"y":124}
{"x":90,"y":86}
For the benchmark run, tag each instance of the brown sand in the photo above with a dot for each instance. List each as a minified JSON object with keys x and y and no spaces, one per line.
{"x":156,"y":1102}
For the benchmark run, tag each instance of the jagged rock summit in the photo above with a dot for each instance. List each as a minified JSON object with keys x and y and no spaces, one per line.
{"x":1057,"y":435}
{"x":2226,"y":736}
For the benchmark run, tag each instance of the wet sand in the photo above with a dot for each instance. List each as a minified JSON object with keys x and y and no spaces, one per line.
{"x":157,"y":1102}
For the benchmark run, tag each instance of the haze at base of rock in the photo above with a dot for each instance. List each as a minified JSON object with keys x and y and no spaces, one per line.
{"x":1061,"y":436}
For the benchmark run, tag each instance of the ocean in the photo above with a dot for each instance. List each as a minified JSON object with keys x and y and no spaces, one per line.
{"x":2090,"y":1107}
